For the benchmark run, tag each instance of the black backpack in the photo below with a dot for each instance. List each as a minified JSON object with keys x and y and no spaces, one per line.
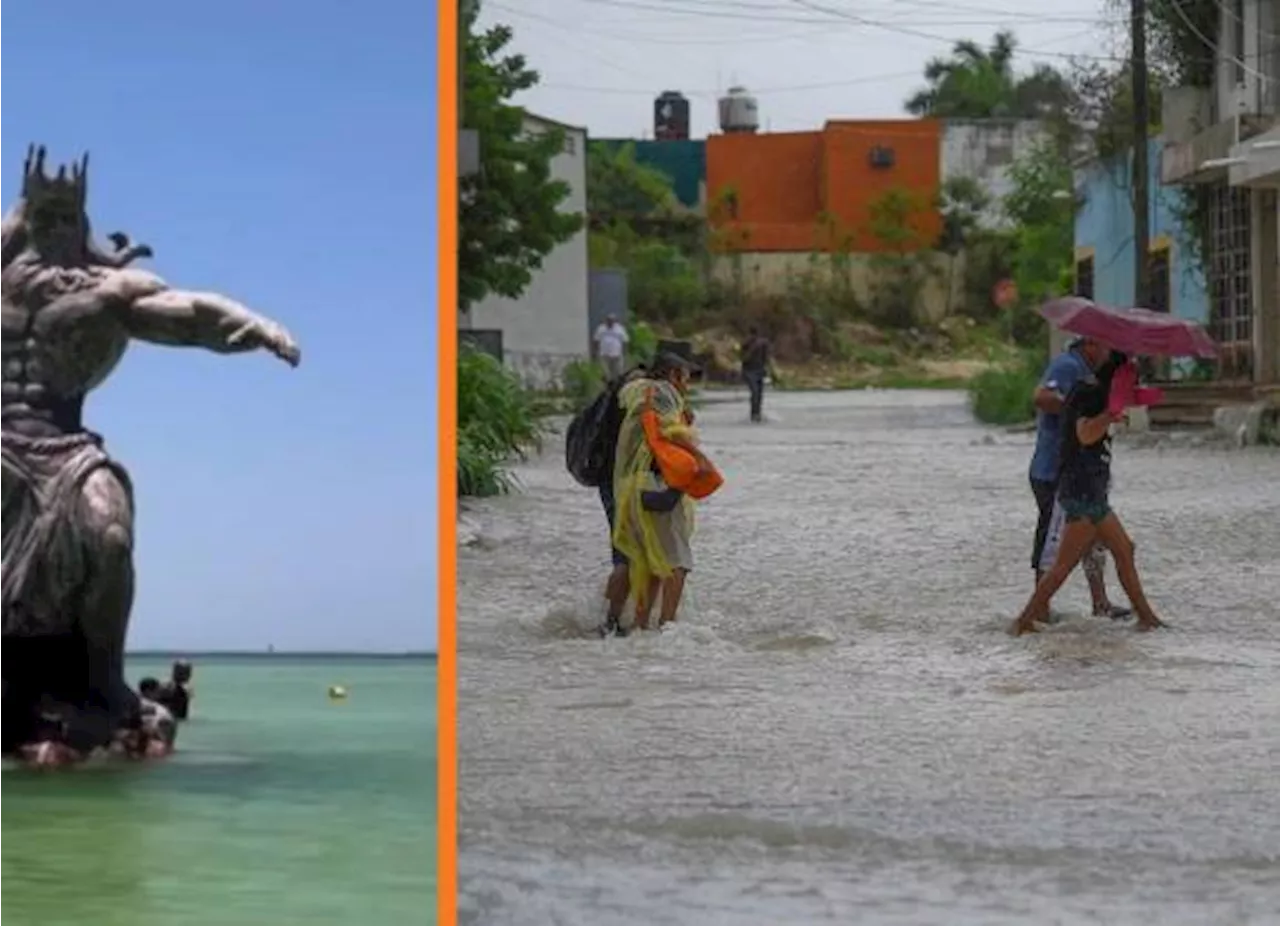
{"x":592,"y":438}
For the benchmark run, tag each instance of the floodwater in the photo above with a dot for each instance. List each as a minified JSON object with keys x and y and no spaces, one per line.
{"x":840,"y":731}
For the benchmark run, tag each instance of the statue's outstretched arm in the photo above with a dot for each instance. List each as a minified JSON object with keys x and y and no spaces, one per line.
{"x":182,"y":319}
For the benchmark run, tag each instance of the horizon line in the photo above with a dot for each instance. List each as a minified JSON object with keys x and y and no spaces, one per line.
{"x":272,"y":654}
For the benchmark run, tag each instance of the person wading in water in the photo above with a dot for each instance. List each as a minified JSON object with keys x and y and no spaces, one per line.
{"x":1078,"y":362}
{"x":618,"y":587}
{"x":1084,"y":483}
{"x":654,"y":521}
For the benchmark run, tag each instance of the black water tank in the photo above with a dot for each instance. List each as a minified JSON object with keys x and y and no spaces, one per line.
{"x":671,"y":117}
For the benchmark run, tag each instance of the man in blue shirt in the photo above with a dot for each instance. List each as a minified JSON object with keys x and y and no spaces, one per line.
{"x":1077,"y":362}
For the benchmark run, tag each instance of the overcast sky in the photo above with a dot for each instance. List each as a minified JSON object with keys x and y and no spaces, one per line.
{"x":603,"y":61}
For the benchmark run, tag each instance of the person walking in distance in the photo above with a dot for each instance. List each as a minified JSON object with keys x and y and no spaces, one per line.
{"x":1078,"y":362}
{"x":611,"y":347}
{"x":755,"y":367}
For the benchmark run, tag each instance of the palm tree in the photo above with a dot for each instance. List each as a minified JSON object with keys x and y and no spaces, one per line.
{"x":979,"y":83}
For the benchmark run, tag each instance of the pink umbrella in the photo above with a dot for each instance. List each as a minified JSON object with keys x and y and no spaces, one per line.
{"x":1134,"y":331}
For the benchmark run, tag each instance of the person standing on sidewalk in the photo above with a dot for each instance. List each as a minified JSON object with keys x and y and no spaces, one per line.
{"x":611,"y":347}
{"x":1077,"y":363}
{"x":756,"y":364}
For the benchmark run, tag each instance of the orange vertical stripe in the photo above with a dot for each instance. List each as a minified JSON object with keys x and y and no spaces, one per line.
{"x":447,"y":358}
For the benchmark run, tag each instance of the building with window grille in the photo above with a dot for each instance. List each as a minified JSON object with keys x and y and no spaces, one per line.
{"x":1224,"y":142}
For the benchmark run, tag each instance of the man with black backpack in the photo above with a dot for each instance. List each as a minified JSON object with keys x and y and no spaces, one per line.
{"x":590,"y":446}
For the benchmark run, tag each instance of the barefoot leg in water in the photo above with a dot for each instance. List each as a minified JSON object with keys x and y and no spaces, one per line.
{"x":1095,"y":570}
{"x":616,"y":592}
{"x":672,"y":592}
{"x":1116,"y":539}
{"x":645,"y":607}
{"x":1077,"y":537}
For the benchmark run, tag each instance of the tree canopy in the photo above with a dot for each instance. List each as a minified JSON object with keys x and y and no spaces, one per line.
{"x":618,"y":186}
{"x":980,"y":83}
{"x":509,"y":214}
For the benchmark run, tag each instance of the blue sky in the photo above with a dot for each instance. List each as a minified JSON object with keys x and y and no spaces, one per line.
{"x":281,"y":153}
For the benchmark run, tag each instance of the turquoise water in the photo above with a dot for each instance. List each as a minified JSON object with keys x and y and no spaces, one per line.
{"x":281,"y":807}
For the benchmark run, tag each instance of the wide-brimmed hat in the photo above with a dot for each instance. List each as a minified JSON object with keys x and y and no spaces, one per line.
{"x":667,"y":361}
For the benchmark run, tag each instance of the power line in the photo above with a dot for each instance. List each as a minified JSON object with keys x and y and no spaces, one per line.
{"x":774,"y":11}
{"x":608,"y":62}
{"x":794,"y":88}
{"x":1209,"y":44}
{"x":890,"y":27}
{"x":578,"y":28}
{"x":733,"y":10}
{"x":644,"y":38}
{"x":834,"y":16}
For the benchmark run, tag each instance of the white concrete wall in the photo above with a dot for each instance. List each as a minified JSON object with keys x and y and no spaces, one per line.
{"x":545,"y":329}
{"x":1185,"y":112}
{"x":776,"y":273}
{"x":984,"y":149}
{"x":1246,"y":93}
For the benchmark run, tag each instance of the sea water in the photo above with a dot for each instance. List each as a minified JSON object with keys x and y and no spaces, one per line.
{"x":281,"y":806}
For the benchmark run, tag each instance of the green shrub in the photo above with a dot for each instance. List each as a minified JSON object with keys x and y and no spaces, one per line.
{"x":1003,"y":395}
{"x":988,"y":259}
{"x":662,"y":283}
{"x":497,"y":421}
{"x":899,"y":282}
{"x":583,"y":381}
{"x":642,"y":343}
{"x":874,"y":355}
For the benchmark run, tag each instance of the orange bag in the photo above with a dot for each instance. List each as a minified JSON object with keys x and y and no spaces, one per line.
{"x":684,"y":469}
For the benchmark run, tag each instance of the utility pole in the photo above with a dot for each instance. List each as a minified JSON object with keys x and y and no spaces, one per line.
{"x":468,"y":141}
{"x":1141,"y":165}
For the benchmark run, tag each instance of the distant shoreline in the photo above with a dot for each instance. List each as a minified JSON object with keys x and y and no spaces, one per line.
{"x":331,"y":655}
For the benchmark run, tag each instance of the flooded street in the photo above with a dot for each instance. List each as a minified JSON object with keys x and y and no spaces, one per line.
{"x":839,"y":730}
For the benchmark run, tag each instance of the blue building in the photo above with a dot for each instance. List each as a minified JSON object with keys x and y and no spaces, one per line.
{"x":1104,"y":246}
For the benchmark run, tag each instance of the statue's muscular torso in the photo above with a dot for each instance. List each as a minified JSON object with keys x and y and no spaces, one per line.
{"x":63,"y":334}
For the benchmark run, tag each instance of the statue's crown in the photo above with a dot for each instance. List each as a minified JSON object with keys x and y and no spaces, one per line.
{"x":67,"y":186}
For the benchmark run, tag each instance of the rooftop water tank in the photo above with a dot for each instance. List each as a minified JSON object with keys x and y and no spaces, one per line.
{"x":739,"y":112}
{"x":671,"y":117}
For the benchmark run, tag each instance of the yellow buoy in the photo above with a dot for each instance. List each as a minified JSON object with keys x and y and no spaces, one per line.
{"x":337,"y":693}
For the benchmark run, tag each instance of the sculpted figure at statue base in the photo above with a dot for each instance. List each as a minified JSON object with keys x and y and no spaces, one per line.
{"x":70,"y":310}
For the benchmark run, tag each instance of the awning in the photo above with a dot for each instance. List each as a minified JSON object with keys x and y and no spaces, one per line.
{"x":1256,"y":162}
{"x":1207,"y":157}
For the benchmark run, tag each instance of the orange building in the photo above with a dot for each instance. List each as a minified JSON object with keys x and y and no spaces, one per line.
{"x":814,"y":191}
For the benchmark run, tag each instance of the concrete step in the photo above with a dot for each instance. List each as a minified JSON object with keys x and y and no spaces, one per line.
{"x":1191,"y":405}
{"x":1182,"y":421}
{"x":1180,"y":394}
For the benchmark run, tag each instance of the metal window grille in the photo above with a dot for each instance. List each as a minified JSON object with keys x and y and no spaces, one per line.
{"x":1230,"y":281}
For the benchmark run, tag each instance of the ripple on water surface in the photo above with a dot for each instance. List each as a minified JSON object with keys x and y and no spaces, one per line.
{"x":839,"y":730}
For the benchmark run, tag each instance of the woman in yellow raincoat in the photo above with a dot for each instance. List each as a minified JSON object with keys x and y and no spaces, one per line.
{"x":658,"y":473}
